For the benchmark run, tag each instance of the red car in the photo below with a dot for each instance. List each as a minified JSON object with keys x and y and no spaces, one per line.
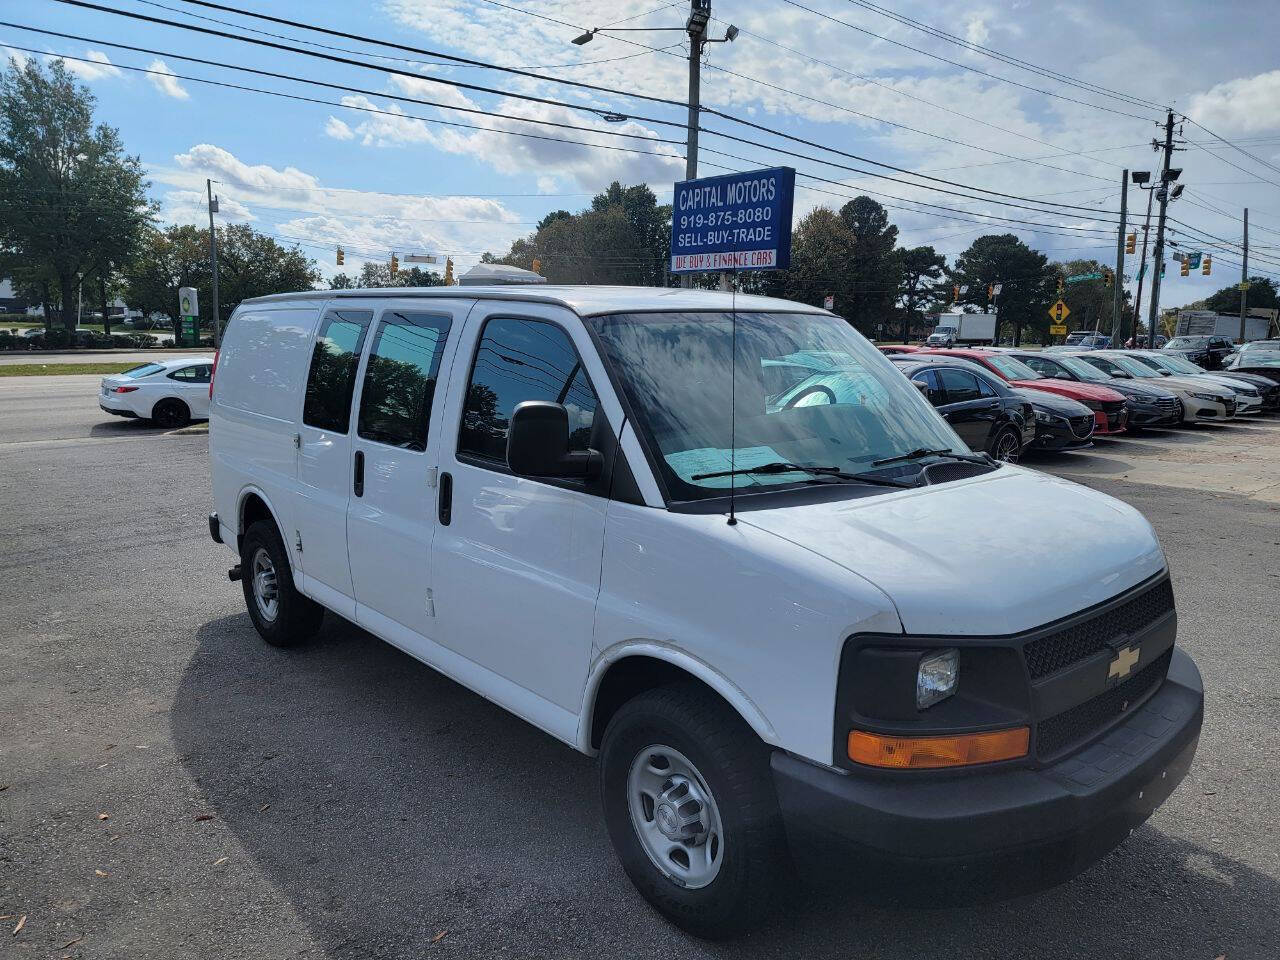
{"x":892,"y":348}
{"x":1108,"y":406}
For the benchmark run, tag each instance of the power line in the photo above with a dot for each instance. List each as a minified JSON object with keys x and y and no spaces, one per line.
{"x":1256,"y":159}
{"x":956,"y":63}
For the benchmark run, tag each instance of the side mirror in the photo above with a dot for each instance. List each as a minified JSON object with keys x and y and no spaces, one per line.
{"x":538,"y":444}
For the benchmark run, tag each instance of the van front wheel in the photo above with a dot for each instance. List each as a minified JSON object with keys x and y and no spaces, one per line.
{"x":690,"y":807}
{"x":280,"y":613}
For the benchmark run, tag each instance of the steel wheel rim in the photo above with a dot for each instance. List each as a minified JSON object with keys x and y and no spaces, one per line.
{"x":1007,"y":448}
{"x":266,"y":587}
{"x":675,"y":816}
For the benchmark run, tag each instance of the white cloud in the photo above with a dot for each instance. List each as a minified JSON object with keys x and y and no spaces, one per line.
{"x":17,"y":56}
{"x":335,"y":128}
{"x":101,"y":67}
{"x":164,"y":81}
{"x":1244,"y":105}
{"x":975,"y":30}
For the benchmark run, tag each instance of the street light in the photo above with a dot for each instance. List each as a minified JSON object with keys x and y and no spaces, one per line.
{"x":1138,"y":176}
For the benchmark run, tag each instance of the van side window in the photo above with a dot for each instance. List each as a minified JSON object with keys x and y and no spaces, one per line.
{"x":518,"y":360}
{"x":332,"y":378}
{"x":400,"y":379}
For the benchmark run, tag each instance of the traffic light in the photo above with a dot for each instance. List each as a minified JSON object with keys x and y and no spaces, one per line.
{"x":1131,"y":243}
{"x":341,"y":257}
{"x":395,"y":264}
{"x":1061,"y":285}
{"x":448,"y":271}
{"x":1186,"y":266}
{"x":991,"y":291}
{"x":1108,"y":276}
{"x":955,"y":293}
{"x":537,"y":265}
{"x":1207,"y":266}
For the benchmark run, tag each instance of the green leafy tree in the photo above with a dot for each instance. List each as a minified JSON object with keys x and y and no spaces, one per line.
{"x":820,"y":245}
{"x":920,"y":286}
{"x":68,"y":191}
{"x":872,"y":264}
{"x":1262,"y":293}
{"x":1028,"y":283}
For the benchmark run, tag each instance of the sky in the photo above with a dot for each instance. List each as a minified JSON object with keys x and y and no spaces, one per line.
{"x":412,"y":177}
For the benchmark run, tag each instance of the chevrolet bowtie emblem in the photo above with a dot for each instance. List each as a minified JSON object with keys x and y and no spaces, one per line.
{"x":1126,"y":659}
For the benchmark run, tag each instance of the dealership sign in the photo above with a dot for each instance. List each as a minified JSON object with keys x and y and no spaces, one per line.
{"x":741,"y":221}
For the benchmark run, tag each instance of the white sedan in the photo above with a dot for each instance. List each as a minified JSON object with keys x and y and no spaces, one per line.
{"x":170,"y":392}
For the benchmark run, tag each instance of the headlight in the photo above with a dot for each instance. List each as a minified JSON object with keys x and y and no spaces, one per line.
{"x":1043,"y":417}
{"x":1210,"y":397}
{"x":937,"y":677}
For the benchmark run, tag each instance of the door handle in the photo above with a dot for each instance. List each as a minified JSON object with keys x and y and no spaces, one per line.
{"x":446,"y":499}
{"x":993,"y":404}
{"x":358,"y":486}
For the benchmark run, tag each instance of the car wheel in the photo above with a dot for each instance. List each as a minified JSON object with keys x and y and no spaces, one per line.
{"x":170,"y":413}
{"x":690,"y":807}
{"x":282,"y":616}
{"x":1007,"y":446}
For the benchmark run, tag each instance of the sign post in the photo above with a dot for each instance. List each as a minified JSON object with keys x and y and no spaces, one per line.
{"x":741,"y":221}
{"x":186,"y":332}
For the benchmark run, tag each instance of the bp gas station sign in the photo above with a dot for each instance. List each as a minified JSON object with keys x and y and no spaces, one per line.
{"x":186,"y":332}
{"x":740,"y":221}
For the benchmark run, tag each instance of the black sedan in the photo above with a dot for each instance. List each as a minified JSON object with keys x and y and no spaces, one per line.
{"x":1061,"y":423}
{"x":1149,"y":405}
{"x":983,"y":410}
{"x":1208,"y":352}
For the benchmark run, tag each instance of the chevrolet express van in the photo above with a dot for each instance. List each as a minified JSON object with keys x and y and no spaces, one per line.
{"x":797,"y":626}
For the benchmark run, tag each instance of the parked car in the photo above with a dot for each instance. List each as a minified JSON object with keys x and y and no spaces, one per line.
{"x":171,"y":392}
{"x":890,"y":349}
{"x":1061,"y":424}
{"x":1087,"y":340}
{"x":795,"y":632}
{"x":1200,"y":401}
{"x":987,"y":414}
{"x":1207,"y":352}
{"x":1259,"y":362}
{"x":1149,"y":405}
{"x":1251,"y":398}
{"x":1109,"y":408}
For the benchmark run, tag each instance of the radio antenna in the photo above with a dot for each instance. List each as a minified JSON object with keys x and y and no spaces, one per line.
{"x":733,"y":395}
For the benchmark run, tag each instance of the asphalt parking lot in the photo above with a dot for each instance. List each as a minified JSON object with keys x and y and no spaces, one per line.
{"x":172,"y":787}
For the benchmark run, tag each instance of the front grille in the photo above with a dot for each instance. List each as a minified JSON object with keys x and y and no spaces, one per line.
{"x":1166,"y":404}
{"x":1082,"y":427}
{"x":1080,"y":722}
{"x":1080,"y":640}
{"x":1230,"y":405}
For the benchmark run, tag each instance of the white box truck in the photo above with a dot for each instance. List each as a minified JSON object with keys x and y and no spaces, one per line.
{"x":953,"y":328}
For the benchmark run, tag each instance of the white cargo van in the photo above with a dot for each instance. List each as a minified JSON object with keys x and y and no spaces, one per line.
{"x":798,"y":626}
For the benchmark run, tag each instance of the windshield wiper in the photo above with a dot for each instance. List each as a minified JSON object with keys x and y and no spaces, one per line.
{"x":780,"y":466}
{"x":921,"y":453}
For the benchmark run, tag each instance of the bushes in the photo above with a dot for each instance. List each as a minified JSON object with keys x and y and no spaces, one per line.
{"x":59,"y":339}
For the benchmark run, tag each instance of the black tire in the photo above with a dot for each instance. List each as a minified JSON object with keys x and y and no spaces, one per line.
{"x":296,"y":618}
{"x":735,"y":765}
{"x":1005,"y":437}
{"x":170,"y":413}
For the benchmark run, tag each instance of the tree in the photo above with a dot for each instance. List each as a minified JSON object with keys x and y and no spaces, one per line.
{"x":1091,"y":301}
{"x":873,"y":265}
{"x":68,"y":192}
{"x":250,"y":264}
{"x":1028,"y":283}
{"x":820,"y":245}
{"x":1262,"y":293}
{"x":920,"y":283}
{"x":375,"y":274}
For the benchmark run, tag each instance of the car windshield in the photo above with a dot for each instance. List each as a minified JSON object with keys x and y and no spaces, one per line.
{"x":1085,"y":371}
{"x":806,"y":389}
{"x":1270,"y":346}
{"x":1263,"y":358}
{"x":142,"y":370}
{"x":1182,"y":343}
{"x":1135,"y":367}
{"x":1012,"y":367}
{"x":1175,"y":363}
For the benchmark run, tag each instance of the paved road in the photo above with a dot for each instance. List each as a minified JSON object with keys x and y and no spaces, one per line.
{"x":11,"y":358}
{"x":359,"y":805}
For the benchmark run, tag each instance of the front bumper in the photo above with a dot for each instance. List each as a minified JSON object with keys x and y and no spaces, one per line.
{"x":1058,"y":435}
{"x":996,"y":833}
{"x":1195,"y":410}
{"x":1152,"y":416}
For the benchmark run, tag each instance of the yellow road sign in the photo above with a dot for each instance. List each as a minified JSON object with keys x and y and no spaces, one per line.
{"x":1058,"y":329}
{"x":1059,"y":312}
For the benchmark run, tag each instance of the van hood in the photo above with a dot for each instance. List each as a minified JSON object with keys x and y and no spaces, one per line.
{"x":991,"y":555}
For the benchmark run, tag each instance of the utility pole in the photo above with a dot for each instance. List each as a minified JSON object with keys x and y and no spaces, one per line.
{"x":1244,"y":277}
{"x":1117,"y":282}
{"x":1153,"y":311}
{"x":699,"y":17}
{"x":1142,"y":266}
{"x":213,"y":257}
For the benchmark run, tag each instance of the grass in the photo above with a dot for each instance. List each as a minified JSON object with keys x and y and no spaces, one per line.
{"x":60,"y":369}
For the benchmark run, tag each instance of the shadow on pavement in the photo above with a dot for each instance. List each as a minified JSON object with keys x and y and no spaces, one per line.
{"x":388,"y":803}
{"x":123,"y":427}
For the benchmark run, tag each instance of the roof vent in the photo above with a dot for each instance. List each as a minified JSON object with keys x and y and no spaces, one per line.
{"x":483,"y":274}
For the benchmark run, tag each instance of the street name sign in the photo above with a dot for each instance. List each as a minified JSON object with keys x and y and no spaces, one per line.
{"x":741,"y":221}
{"x":1081,"y":277}
{"x":1057,"y":329}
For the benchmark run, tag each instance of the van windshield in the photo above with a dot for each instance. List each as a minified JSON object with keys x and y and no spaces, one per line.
{"x":804,"y":389}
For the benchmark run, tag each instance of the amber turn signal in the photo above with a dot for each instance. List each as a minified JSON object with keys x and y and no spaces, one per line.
{"x":922,"y":753}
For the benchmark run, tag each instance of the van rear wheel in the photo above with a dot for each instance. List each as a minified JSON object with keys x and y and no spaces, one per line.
{"x":689,"y":803}
{"x":282,"y":615}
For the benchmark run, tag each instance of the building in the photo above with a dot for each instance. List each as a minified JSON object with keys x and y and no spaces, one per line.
{"x":9,"y":300}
